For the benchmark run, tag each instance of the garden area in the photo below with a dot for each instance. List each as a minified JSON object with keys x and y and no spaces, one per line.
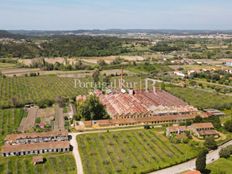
{"x":137,"y":151}
{"x":9,"y":121}
{"x":54,"y":164}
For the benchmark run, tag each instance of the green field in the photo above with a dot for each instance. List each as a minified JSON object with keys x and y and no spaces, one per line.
{"x":130,"y":152}
{"x":201,"y":99}
{"x":7,"y":65}
{"x":34,"y":89}
{"x":9,"y":121}
{"x":221,"y":166}
{"x":55,"y":164}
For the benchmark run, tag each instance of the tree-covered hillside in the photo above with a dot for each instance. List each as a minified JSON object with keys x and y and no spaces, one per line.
{"x":56,"y":46}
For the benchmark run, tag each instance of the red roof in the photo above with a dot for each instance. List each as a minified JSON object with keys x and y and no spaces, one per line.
{"x":142,"y":102}
{"x":192,"y":172}
{"x":36,"y":146}
{"x":203,"y":126}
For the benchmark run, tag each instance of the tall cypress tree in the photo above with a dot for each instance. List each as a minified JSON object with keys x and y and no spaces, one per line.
{"x":201,"y":161}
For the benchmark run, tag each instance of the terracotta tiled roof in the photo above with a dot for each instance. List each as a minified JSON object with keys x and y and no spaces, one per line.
{"x":35,"y":146}
{"x":202,"y":125}
{"x":177,"y":128}
{"x":14,"y":137}
{"x":192,"y":172}
{"x":208,"y":132}
{"x":37,"y":159}
{"x":142,"y":102}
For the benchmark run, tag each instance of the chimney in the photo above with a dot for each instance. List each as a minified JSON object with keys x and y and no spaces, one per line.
{"x":131,"y":92}
{"x":154,"y":89}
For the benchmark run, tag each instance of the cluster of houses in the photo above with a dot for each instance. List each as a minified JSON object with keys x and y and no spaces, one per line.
{"x":200,"y":130}
{"x":35,"y":143}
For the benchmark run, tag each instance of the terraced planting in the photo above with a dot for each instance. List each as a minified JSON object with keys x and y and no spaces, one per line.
{"x":9,"y":121}
{"x":35,"y":89}
{"x":55,"y":164}
{"x":138,"y":151}
{"x":201,"y":99}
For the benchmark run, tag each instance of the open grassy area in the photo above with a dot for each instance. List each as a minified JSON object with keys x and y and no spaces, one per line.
{"x":228,"y":116}
{"x":55,"y":164}
{"x":34,"y":89}
{"x":221,"y":166}
{"x":9,"y":121}
{"x":201,"y":99}
{"x":7,"y":65}
{"x":127,"y":152}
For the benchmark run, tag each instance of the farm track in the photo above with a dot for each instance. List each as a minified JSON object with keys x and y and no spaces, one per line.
{"x":59,"y":118}
{"x":28,"y":122}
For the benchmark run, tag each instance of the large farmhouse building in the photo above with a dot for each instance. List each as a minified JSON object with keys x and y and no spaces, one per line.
{"x":28,"y":138}
{"x":140,"y":108}
{"x":200,"y":130}
{"x":35,"y":143}
{"x":36,"y":148}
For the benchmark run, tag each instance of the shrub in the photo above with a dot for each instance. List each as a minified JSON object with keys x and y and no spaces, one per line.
{"x":210,"y":143}
{"x":228,"y":125}
{"x":226,"y":152}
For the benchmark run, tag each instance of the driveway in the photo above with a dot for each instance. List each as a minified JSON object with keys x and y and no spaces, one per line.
{"x":76,"y":153}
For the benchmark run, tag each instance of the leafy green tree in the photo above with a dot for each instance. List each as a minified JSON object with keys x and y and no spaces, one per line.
{"x":106,"y":79}
{"x":201,"y":161}
{"x":225,"y":153}
{"x":37,"y":120}
{"x":96,"y":76}
{"x":228,"y":125}
{"x":101,"y":62}
{"x":210,"y":143}
{"x":198,"y":119}
{"x":91,"y":109}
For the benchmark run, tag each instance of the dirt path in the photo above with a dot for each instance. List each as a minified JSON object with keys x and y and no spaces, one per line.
{"x":59,"y":118}
{"x":28,"y":122}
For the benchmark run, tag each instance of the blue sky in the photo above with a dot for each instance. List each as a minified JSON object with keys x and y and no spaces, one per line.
{"x":108,"y":14}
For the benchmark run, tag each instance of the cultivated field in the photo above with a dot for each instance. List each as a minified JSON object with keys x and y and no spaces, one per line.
{"x":109,"y":59}
{"x":34,"y":89}
{"x":9,"y":121}
{"x":201,"y":99}
{"x":55,"y":164}
{"x":6,"y":65}
{"x":221,"y":166}
{"x":127,"y":152}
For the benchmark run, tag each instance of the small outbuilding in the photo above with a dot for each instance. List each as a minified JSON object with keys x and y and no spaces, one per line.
{"x":37,"y":160}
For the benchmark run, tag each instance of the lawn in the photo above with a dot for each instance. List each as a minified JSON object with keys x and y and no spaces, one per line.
{"x":55,"y":164}
{"x":221,"y":166}
{"x":201,"y":99}
{"x":9,"y":121}
{"x":127,"y":152}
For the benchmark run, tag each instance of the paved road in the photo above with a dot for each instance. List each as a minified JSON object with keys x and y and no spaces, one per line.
{"x":211,"y":157}
{"x":76,"y":154}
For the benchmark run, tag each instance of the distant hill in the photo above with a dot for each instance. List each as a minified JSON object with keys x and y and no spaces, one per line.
{"x":6,"y":34}
{"x":117,"y":31}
